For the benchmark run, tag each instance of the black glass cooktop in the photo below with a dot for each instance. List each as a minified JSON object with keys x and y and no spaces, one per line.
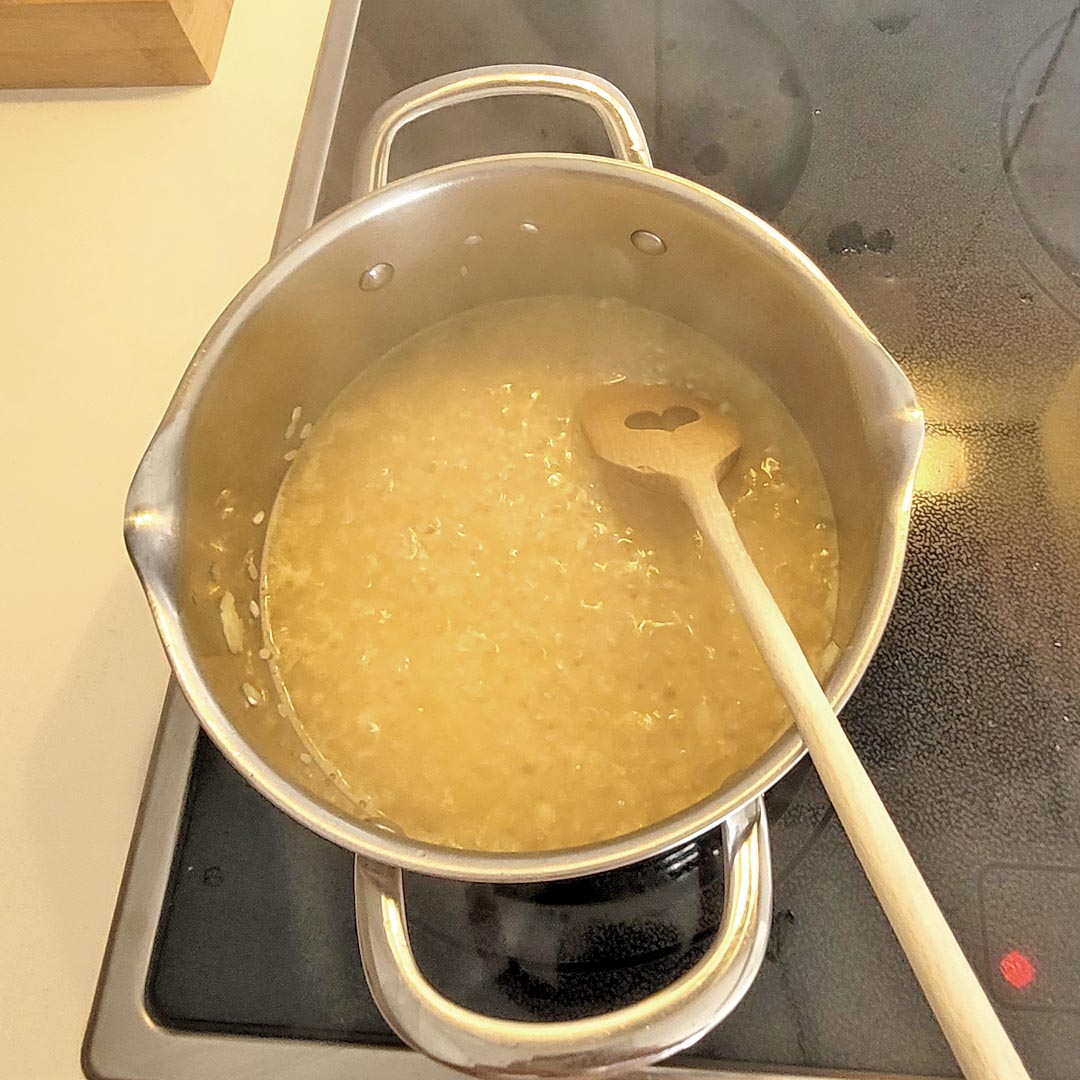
{"x":927,"y":156}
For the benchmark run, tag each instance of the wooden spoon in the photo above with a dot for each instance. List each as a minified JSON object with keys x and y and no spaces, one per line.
{"x":667,"y":433}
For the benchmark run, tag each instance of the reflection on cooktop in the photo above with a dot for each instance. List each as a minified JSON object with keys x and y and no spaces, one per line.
{"x":1040,"y":141}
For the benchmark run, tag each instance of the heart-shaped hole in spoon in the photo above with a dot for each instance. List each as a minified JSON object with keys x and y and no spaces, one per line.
{"x":671,"y":419}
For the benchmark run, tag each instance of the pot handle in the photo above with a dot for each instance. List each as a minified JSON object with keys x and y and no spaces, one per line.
{"x":663,"y":1024}
{"x":621,"y":123}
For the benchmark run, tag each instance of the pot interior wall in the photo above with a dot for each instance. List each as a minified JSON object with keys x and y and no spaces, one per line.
{"x":305,"y":328}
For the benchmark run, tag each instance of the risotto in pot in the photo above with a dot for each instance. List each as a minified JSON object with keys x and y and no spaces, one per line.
{"x":491,"y":640}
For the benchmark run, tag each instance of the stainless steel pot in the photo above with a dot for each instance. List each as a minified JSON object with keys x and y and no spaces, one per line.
{"x":374,"y":273}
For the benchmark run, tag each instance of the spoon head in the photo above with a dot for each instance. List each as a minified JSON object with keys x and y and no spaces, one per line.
{"x":659,"y":430}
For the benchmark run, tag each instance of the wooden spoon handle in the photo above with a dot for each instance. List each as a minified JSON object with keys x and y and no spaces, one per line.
{"x":974,"y":1032}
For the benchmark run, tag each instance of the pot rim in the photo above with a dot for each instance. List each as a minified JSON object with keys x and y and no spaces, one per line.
{"x":152,"y":526}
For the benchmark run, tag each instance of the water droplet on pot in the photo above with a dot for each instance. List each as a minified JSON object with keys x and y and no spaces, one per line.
{"x":530,"y":228}
{"x":376,"y":277}
{"x":648,"y":243}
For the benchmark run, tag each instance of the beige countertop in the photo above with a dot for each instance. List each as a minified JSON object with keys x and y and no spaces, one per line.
{"x":130,"y":218}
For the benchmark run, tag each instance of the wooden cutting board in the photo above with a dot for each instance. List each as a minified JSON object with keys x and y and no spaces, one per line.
{"x":73,"y":43}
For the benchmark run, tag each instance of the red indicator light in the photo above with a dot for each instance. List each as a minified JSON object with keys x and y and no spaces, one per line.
{"x":1017,"y":970}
